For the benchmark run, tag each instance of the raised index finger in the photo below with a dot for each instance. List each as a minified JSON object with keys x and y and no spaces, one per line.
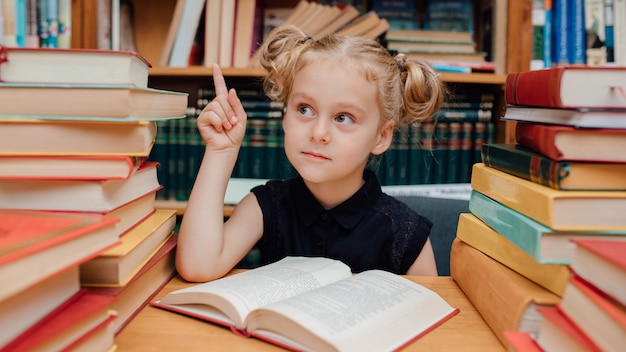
{"x":218,"y":81}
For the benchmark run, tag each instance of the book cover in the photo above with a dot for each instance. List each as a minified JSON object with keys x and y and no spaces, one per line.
{"x":561,"y":28}
{"x":601,"y":263}
{"x":571,"y":143}
{"x":78,"y":195}
{"x":409,"y":314}
{"x":538,"y":241}
{"x":506,"y":300}
{"x":556,"y":209}
{"x":522,"y":162}
{"x":187,"y":28}
{"x":116,"y":266}
{"x":68,"y":167}
{"x":597,"y":316}
{"x":227,"y":27}
{"x":479,"y":235}
{"x":521,"y":341}
{"x":570,"y":86}
{"x":73,"y":321}
{"x":31,"y":239}
{"x":135,"y":294}
{"x":109,"y":102}
{"x":583,"y":118}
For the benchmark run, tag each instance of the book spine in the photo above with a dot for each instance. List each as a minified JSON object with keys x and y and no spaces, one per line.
{"x":402,"y":152}
{"x":547,"y":35}
{"x":577,"y":37}
{"x":466,"y":147}
{"x":609,"y":18}
{"x":65,"y":23}
{"x":535,"y":88}
{"x":619,"y":32}
{"x":52,"y":20}
{"x":528,"y":166}
{"x":538,"y":138}
{"x":442,"y":138}
{"x":32,"y":27}
{"x":415,"y":155}
{"x":561,"y":28}
{"x":21,"y":27}
{"x":454,"y":165}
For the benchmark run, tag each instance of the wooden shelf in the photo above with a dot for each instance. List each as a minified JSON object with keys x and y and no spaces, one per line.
{"x":201,"y":71}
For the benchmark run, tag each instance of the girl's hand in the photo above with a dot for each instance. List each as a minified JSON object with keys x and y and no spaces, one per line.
{"x":222,"y":123}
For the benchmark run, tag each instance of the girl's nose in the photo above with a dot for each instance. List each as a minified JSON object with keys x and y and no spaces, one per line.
{"x":320,"y":131}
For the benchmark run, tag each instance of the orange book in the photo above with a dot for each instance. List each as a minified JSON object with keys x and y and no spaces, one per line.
{"x":521,"y":341}
{"x":557,"y":209}
{"x":506,"y":300}
{"x":36,"y":245}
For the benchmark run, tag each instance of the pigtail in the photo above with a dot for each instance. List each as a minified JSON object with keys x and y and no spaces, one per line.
{"x":423,"y":90}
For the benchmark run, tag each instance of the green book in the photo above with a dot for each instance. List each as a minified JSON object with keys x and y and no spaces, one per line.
{"x":545,"y":245}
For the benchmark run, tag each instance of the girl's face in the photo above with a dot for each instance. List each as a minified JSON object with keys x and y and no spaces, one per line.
{"x":333,"y":123}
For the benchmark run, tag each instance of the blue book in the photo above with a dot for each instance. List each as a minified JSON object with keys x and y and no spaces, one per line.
{"x":545,"y":245}
{"x":399,"y":14}
{"x":450,"y":15}
{"x":560,"y":29}
{"x":577,"y":36}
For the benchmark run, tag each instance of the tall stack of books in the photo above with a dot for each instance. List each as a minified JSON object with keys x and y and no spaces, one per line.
{"x":563,"y":181}
{"x":77,"y":196}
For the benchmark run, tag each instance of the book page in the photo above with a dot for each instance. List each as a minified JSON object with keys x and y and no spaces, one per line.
{"x":374,"y":310}
{"x":239,"y":294}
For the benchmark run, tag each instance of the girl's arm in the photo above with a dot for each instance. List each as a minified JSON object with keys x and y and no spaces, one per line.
{"x":424,"y":264}
{"x":207,"y":248}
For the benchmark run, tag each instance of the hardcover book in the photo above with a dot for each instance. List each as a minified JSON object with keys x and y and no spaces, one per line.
{"x":37,"y":245}
{"x":602,"y":263}
{"x":559,"y":333}
{"x":106,"y":102}
{"x":116,"y":266}
{"x":574,"y":86}
{"x":595,"y":314}
{"x":479,"y":235}
{"x":74,"y":66}
{"x":538,"y":241}
{"x":520,"y":161}
{"x":570,"y":143}
{"x":584,"y":118}
{"x":71,"y":137}
{"x":375,"y":310}
{"x":557,"y":209}
{"x":506,"y":300}
{"x":98,"y":196}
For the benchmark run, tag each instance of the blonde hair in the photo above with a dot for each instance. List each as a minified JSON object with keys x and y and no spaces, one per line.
{"x":408,"y":90}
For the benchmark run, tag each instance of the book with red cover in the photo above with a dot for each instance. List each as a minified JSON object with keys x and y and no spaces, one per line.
{"x":590,"y":118}
{"x":559,"y":333}
{"x":597,"y":315}
{"x":37,"y":245}
{"x":574,"y":144}
{"x":602,"y":263}
{"x":78,"y":195}
{"x":74,"y":321}
{"x":575,"y":86}
{"x":522,"y":162}
{"x":73,"y":66}
{"x":68,"y":167}
{"x":521,"y":341}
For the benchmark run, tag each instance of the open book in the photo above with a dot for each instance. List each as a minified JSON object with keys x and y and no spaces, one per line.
{"x":303,"y":303}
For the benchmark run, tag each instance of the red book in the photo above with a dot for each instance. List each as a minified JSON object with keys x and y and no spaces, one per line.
{"x":37,"y":245}
{"x":598,"y":316}
{"x":568,"y":87}
{"x":573,"y":144}
{"x":521,"y":341}
{"x":75,"y":321}
{"x":559,"y":333}
{"x":603,"y":265}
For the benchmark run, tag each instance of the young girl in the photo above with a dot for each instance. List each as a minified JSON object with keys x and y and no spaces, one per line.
{"x":343,"y":97}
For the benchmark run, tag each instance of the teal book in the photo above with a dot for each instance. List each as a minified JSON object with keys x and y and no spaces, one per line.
{"x":465,"y":152}
{"x":441,"y":148}
{"x":453,"y":174}
{"x":545,"y":245}
{"x":414,"y":154}
{"x":257,"y":148}
{"x":522,"y":162}
{"x":427,"y":148}
{"x":402,"y":154}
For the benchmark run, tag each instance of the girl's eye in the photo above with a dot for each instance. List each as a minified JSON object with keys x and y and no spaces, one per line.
{"x":305,"y":110}
{"x":344,"y":119}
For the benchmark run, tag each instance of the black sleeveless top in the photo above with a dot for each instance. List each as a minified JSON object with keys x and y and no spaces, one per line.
{"x":370,"y":230}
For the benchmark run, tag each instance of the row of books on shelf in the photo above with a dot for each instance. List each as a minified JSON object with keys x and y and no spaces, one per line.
{"x":422,"y":153}
{"x":546,"y":230}
{"x":589,"y":32}
{"x":32,"y":23}
{"x":83,"y":247}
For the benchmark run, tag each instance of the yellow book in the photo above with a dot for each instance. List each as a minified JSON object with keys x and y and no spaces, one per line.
{"x":477,"y":234}
{"x":506,"y":300}
{"x":558,"y":209}
{"x":116,"y":266}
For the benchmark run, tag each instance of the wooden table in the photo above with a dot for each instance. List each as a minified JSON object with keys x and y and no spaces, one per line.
{"x":154,"y":329}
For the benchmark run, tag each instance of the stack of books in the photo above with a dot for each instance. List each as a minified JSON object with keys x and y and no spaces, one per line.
{"x":532,"y":200}
{"x":77,"y":195}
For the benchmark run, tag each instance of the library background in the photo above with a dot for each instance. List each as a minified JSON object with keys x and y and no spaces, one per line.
{"x":116,"y":258}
